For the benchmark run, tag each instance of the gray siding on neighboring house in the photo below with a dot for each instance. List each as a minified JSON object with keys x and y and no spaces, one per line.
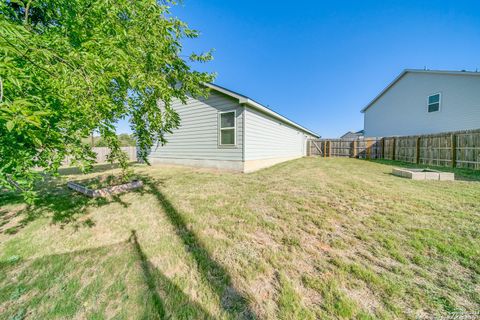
{"x":267,"y":138}
{"x":402,"y":109}
{"x":197,"y":137}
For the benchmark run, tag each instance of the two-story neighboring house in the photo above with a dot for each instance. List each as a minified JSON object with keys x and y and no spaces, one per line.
{"x":424,"y":102}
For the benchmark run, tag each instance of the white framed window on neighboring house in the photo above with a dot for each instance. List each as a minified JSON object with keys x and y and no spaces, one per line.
{"x":227,"y":128}
{"x":434,"y":102}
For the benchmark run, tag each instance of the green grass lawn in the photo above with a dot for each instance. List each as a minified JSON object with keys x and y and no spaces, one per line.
{"x":310,"y":238}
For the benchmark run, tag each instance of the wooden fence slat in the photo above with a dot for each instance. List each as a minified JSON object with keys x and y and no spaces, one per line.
{"x":317,"y":147}
{"x":393,"y":146}
{"x":417,"y":150}
{"x":453,"y":149}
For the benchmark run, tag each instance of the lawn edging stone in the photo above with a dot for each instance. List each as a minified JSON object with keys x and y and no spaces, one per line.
{"x":423,"y":174}
{"x":104,"y":192}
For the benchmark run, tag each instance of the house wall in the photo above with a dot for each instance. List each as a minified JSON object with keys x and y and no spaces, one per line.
{"x":402,"y":110}
{"x":196,"y":141}
{"x":269,"y":141}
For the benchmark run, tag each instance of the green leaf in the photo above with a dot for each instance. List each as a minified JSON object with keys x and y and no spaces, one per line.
{"x":10,"y":125}
{"x":19,"y":2}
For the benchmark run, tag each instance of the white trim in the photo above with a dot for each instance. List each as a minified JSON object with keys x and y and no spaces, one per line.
{"x":404,"y":72}
{"x":244,"y":115}
{"x":227,"y":128}
{"x":439,"y":102}
{"x":251,"y":103}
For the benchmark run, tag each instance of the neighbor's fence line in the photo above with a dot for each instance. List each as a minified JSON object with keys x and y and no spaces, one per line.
{"x":103,"y":152}
{"x":459,"y":149}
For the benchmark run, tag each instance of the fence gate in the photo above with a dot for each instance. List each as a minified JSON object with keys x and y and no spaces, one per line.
{"x":371,"y":148}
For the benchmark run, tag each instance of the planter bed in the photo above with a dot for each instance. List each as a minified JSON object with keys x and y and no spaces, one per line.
{"x":105,"y":191}
{"x":423,"y":174}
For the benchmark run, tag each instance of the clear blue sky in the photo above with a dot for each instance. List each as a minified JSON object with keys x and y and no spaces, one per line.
{"x":319,"y":62}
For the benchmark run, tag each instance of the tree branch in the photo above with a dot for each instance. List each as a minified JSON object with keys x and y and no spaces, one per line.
{"x":14,"y":183}
{"x":27,"y":9}
{"x":24,"y":55}
{"x":56,"y":56}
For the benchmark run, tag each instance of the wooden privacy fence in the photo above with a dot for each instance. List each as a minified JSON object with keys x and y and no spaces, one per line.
{"x":103,"y":152}
{"x":460,"y":149}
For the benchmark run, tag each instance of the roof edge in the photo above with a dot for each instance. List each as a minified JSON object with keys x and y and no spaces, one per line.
{"x":253,"y":104}
{"x":405,"y":71}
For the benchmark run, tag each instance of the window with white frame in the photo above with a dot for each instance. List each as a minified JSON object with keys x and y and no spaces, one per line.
{"x":434,"y":102}
{"x":227,"y":128}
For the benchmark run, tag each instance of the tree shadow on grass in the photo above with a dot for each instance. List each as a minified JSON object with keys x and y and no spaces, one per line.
{"x":167,"y":298}
{"x":54,"y":200}
{"x":66,"y":206}
{"x":232,"y":301}
{"x":23,"y":285}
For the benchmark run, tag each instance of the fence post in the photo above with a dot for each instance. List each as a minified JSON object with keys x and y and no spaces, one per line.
{"x":417,"y":160}
{"x":382,"y":141}
{"x":330,"y":149}
{"x":355,"y":148}
{"x":393,"y":148}
{"x":308,"y":148}
{"x":454,"y":150}
{"x":368,"y":147}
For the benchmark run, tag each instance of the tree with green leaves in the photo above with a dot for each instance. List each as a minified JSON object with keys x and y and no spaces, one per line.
{"x":72,"y":67}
